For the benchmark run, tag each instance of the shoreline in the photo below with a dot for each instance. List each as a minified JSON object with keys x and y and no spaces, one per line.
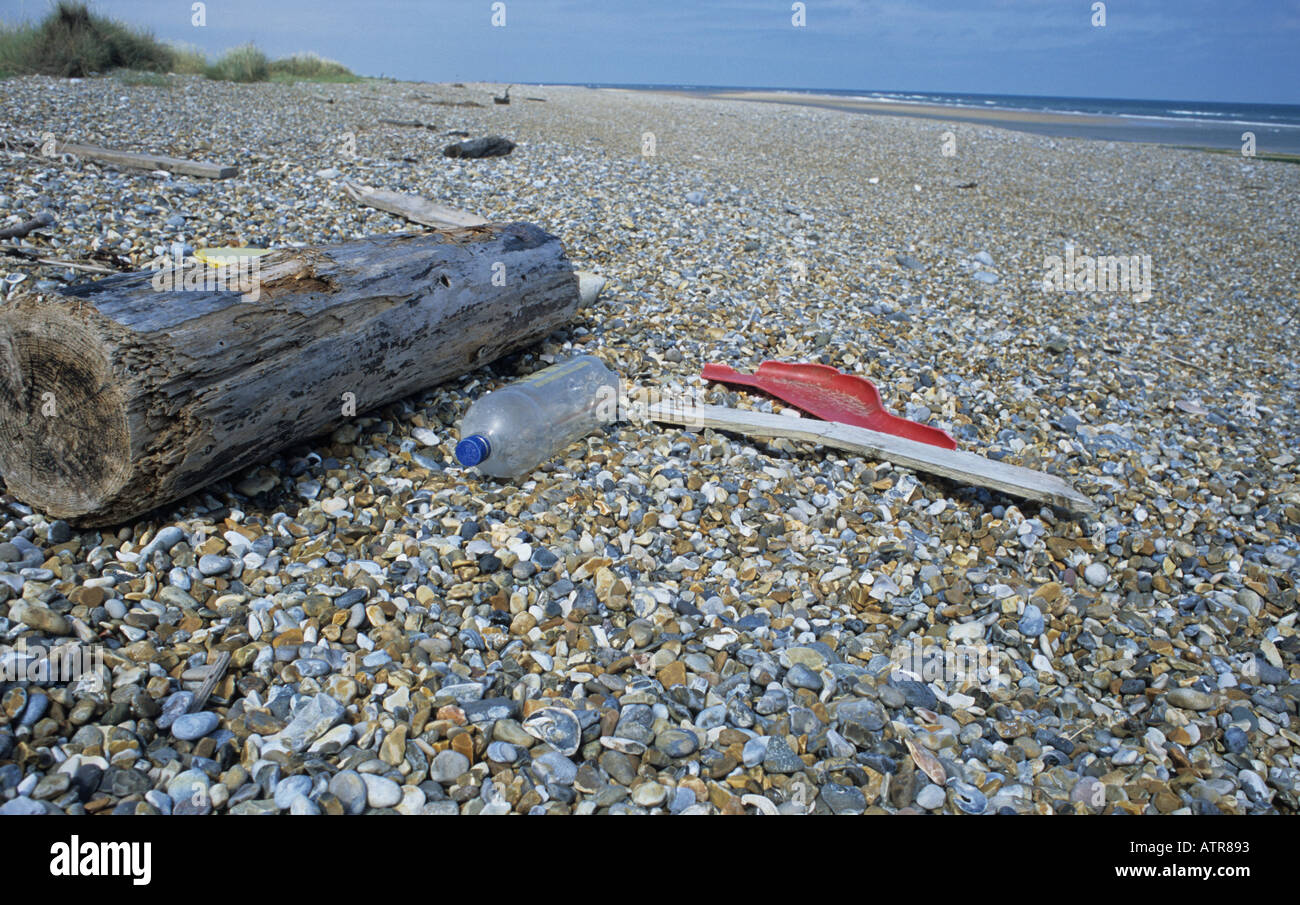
{"x":1279,"y":146}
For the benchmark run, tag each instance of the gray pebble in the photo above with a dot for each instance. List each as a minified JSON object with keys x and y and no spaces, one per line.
{"x":930,"y":797}
{"x":1096,"y":574}
{"x":381,"y":792}
{"x":447,"y":766}
{"x":192,"y":726}
{"x":214,"y":565}
{"x":291,"y":787}
{"x":348,"y":787}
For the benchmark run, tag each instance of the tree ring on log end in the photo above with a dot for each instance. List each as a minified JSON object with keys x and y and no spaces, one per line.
{"x":64,"y":443}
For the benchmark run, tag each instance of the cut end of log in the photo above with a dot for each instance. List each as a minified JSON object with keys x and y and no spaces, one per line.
{"x":63,"y":423}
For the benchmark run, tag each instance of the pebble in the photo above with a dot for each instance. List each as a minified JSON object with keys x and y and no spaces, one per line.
{"x":40,"y":618}
{"x":801,"y":676}
{"x":161,"y":801}
{"x":350,"y":790}
{"x":189,"y":788}
{"x":502,"y":753}
{"x":676,"y":743}
{"x":1235,"y":740}
{"x":316,"y":717}
{"x":753,"y":597}
{"x":683,"y":798}
{"x":51,"y":786}
{"x":192,"y":726}
{"x":557,"y":727}
{"x":174,"y":706}
{"x":21,"y":806}
{"x":967,"y":798}
{"x":214,"y":565}
{"x":1031,"y":622}
{"x":554,"y":768}
{"x":1190,"y":699}
{"x":930,"y":797}
{"x":780,"y":757}
{"x":289,"y":788}
{"x":1096,"y":575}
{"x":843,"y":799}
{"x":302,"y":806}
{"x":381,"y":792}
{"x":165,"y":540}
{"x":650,"y":794}
{"x":447,"y":766}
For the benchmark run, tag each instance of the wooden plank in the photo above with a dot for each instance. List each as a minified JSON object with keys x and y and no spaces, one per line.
{"x":214,"y":676}
{"x":136,"y":161}
{"x":412,"y":207}
{"x":956,"y":465}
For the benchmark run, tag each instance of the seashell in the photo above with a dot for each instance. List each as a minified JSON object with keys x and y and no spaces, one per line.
{"x":927,"y":763}
{"x":764,"y":804}
{"x":558,"y":727}
{"x":966,"y":798}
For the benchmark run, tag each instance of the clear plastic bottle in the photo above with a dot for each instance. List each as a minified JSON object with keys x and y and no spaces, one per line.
{"x":511,"y":431}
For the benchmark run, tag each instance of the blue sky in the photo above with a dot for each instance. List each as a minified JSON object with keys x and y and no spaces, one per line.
{"x":1218,"y":50}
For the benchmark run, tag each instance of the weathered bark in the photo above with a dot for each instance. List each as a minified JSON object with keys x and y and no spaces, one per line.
{"x":116,"y":398}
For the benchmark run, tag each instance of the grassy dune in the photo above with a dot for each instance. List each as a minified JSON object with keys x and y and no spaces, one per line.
{"x":73,"y":42}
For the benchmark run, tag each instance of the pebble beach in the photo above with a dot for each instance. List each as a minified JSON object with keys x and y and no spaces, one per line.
{"x":689,"y":621}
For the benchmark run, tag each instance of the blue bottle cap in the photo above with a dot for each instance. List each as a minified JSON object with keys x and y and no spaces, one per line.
{"x":472,"y":450}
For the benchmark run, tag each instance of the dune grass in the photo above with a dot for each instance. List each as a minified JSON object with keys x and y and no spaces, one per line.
{"x":241,"y":64}
{"x":309,"y":67}
{"x":135,"y":79}
{"x":187,"y":59}
{"x":74,"y":42}
{"x":248,"y":64}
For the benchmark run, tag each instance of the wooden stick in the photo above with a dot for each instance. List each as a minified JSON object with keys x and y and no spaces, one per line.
{"x":956,"y":465}
{"x":77,"y":265}
{"x":1182,"y":361}
{"x":34,"y":254}
{"x":408,"y":124}
{"x":214,"y":676}
{"x":412,"y":207}
{"x":136,"y":161}
{"x":44,"y":218}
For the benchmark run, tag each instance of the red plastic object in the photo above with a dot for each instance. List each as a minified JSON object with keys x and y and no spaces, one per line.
{"x":832,"y":396}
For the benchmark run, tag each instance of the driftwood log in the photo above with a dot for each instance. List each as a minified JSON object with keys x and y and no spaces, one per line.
{"x":116,"y":398}
{"x":136,"y":161}
{"x":40,"y":221}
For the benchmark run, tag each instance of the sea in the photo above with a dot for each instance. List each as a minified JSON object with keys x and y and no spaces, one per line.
{"x":1208,"y":124}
